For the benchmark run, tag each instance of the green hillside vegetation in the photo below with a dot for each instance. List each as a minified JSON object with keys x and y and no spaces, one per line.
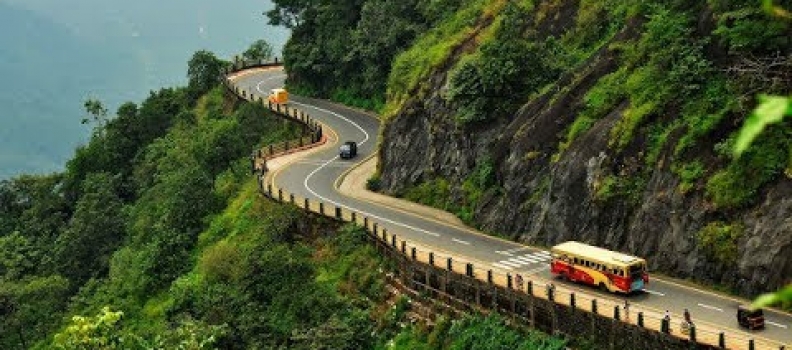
{"x":155,"y":237}
{"x":685,"y":76}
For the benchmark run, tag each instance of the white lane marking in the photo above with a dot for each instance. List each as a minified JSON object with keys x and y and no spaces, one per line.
{"x":325,"y":164}
{"x":518,"y":262}
{"x":509,"y":263}
{"x":653,"y":292}
{"x":526,"y":259}
{"x":536,"y":257}
{"x":460,"y":241}
{"x":543,"y":252}
{"x":776,"y":324}
{"x":502,"y":266}
{"x":258,"y":86}
{"x":504,"y":253}
{"x":710,"y":307}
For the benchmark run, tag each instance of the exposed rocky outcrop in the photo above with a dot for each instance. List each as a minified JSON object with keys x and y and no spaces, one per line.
{"x":542,"y":200}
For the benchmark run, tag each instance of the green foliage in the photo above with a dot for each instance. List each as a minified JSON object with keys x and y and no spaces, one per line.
{"x":740,"y":182}
{"x":782,"y":298}
{"x":94,"y":232}
{"x":374,"y":183}
{"x":689,"y":174}
{"x":204,"y":72}
{"x":434,"y":193}
{"x":720,"y":240}
{"x":428,"y":52}
{"x":493,"y":82}
{"x":743,"y":27}
{"x":259,"y":50}
{"x":771,"y":110}
{"x":474,"y":332}
{"x":99,"y":332}
{"x":630,"y":188}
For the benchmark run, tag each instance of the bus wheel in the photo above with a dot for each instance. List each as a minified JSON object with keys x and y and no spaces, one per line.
{"x":603,"y":287}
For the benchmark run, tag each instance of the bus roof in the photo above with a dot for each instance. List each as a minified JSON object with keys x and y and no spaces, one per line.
{"x":595,"y":253}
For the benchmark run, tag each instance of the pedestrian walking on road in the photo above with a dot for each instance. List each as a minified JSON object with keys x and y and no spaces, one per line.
{"x":627,"y":310}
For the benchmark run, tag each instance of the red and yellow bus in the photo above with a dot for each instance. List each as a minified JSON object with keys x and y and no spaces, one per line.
{"x":614,"y":271}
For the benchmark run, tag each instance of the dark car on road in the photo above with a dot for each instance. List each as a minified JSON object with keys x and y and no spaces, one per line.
{"x":348,"y":150}
{"x":750,"y":318}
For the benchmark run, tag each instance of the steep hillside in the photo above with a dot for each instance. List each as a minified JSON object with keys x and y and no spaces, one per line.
{"x":602,"y":121}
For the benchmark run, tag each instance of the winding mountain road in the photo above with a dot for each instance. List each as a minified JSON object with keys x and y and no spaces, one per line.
{"x":318,"y":174}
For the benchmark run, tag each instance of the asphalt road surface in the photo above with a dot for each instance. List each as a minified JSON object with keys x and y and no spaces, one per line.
{"x":316,"y":176}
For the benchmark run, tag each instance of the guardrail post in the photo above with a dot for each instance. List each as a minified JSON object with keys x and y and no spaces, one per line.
{"x":307,"y":204}
{"x":280,"y":195}
{"x":489,"y":276}
{"x":450,"y":264}
{"x":550,"y":292}
{"x":354,"y":217}
{"x":722,"y":340}
{"x":393,"y":239}
{"x":572,"y":299}
{"x":321,"y":208}
{"x":365,"y":222}
{"x":431,"y":258}
{"x":338,"y":212}
{"x":260,"y":183}
{"x":665,"y":326}
{"x":616,"y":315}
{"x":414,"y":253}
{"x":594,"y":306}
{"x":374,"y":228}
{"x":404,"y":247}
{"x":509,"y":280}
{"x":291,"y":198}
{"x":692,"y":332}
{"x":529,"y":288}
{"x":469,"y":269}
{"x":269,"y":190}
{"x":751,"y":344}
{"x":270,"y":149}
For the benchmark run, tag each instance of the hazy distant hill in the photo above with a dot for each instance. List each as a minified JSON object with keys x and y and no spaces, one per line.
{"x":54,"y":54}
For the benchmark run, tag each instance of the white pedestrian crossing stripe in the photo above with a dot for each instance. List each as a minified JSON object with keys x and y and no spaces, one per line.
{"x":540,"y":257}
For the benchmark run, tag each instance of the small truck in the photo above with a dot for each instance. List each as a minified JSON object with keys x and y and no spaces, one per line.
{"x":278,"y":96}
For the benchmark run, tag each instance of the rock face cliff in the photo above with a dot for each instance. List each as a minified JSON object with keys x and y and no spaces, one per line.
{"x":627,"y":198}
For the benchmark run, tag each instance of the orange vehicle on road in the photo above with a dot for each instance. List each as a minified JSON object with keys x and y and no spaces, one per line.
{"x":278,"y":96}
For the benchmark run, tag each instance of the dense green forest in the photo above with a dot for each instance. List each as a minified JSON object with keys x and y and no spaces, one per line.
{"x":155,"y":236}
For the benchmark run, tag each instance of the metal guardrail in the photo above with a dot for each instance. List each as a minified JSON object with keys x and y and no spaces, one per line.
{"x":702,"y":334}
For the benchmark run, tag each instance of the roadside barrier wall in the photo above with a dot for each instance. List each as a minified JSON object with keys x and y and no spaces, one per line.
{"x":467,"y":284}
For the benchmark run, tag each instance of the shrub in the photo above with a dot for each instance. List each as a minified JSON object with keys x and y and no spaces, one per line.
{"x":374,"y":183}
{"x":738,"y":184}
{"x":719,"y":240}
{"x":689,"y":173}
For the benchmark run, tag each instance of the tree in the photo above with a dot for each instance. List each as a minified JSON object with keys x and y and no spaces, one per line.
{"x":94,"y":232}
{"x":204,"y":72}
{"x":260,"y":50}
{"x":288,"y":13}
{"x":97,"y":113}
